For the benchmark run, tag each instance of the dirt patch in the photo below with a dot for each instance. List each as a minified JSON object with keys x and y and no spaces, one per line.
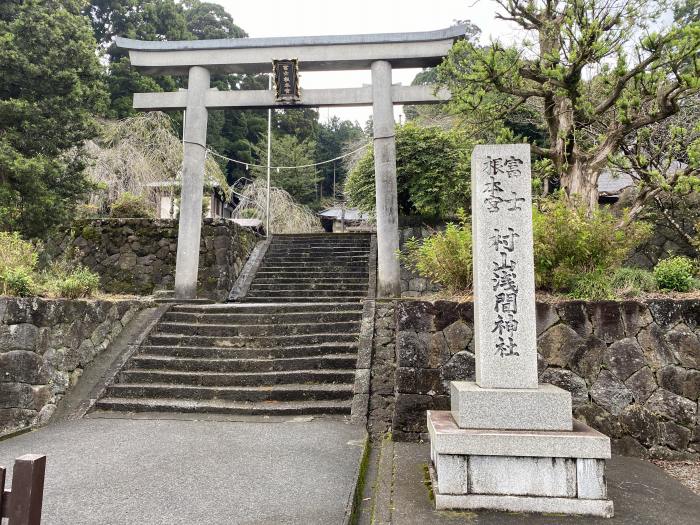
{"x":687,"y":472}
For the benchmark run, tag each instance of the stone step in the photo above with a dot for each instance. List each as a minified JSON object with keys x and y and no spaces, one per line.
{"x":249,"y":342}
{"x":281,"y":351}
{"x":283,"y":292}
{"x":288,"y":392}
{"x":222,"y":378}
{"x":262,"y":318}
{"x":308,"y":285}
{"x":311,"y":280}
{"x":321,"y":266}
{"x":305,"y":256}
{"x":236,"y":308}
{"x":295,"y":299}
{"x":255,"y":330}
{"x":309,"y":252}
{"x":173,"y":300}
{"x":226,"y":407}
{"x":311,"y":273}
{"x":245,"y":362}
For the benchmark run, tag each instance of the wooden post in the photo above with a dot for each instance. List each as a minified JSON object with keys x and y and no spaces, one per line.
{"x":23,"y":505}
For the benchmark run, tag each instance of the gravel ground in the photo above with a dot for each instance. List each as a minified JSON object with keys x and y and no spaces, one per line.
{"x":687,"y":472}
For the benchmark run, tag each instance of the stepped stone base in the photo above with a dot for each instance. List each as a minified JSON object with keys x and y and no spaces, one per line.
{"x":546,"y":407}
{"x":518,"y":471}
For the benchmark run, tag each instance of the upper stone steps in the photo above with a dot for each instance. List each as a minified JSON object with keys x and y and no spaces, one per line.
{"x":309,"y":286}
{"x":296,"y":299}
{"x":310,"y":273}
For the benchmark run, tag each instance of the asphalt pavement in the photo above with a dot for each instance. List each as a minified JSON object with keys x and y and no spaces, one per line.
{"x":141,"y":471}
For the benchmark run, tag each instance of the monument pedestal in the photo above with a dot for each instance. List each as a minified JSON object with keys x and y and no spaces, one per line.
{"x":510,"y":443}
{"x":546,"y":407}
{"x":518,"y":470}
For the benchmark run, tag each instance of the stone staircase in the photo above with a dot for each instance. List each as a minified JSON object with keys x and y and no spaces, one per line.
{"x":289,"y":348}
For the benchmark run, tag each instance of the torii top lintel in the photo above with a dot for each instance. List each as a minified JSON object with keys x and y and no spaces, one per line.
{"x":315,"y":53}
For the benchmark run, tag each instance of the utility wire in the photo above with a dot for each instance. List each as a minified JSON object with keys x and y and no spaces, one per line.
{"x":286,"y":167}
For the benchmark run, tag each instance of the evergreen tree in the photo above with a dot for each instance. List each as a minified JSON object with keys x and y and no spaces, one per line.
{"x":50,"y":88}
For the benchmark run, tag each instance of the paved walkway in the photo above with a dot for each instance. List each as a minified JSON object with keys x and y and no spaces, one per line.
{"x":642,"y":493}
{"x":137,"y":471}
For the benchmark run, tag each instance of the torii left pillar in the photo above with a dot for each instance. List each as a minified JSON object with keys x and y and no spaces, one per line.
{"x":194,"y":157}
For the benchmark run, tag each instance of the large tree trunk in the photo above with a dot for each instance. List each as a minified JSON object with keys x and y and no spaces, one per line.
{"x":580,"y":182}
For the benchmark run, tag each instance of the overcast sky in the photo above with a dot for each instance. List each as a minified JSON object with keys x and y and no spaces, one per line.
{"x":262,"y":18}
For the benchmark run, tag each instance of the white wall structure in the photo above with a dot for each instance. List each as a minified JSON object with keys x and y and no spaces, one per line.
{"x":198,"y":59}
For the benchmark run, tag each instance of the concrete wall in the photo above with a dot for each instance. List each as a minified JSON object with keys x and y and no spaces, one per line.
{"x":44,"y":346}
{"x":633,"y":368}
{"x":137,"y":256}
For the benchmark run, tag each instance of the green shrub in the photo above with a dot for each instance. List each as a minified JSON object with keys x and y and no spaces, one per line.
{"x":675,"y":273}
{"x":16,"y":253}
{"x":630,"y":282}
{"x":130,"y":206}
{"x":81,"y":282}
{"x":432,"y":172}
{"x":444,"y":257}
{"x":592,"y":286}
{"x":17,"y":281}
{"x":569,"y":243}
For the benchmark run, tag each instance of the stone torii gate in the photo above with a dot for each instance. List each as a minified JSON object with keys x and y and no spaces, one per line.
{"x":198,"y":59}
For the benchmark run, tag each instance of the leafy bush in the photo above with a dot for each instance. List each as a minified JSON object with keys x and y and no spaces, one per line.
{"x":81,"y":282}
{"x":569,"y":243}
{"x":16,"y":253}
{"x":630,"y":282}
{"x":592,"y":286}
{"x":444,"y":257}
{"x":17,"y":281}
{"x":431,"y":171}
{"x":130,"y":206}
{"x":574,"y":253}
{"x":675,"y":273}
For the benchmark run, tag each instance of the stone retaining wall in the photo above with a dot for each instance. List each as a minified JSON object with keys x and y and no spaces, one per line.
{"x":137,"y":256}
{"x":44,"y":346}
{"x":633,"y":368}
{"x":412,"y":284}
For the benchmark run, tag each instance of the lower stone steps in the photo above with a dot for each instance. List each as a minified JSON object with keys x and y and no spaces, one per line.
{"x":281,"y":318}
{"x":249,"y":342}
{"x":328,"y":362}
{"x":255,"y":330}
{"x":286,"y":392}
{"x":225,"y":352}
{"x":220,"y":378}
{"x":290,"y":408}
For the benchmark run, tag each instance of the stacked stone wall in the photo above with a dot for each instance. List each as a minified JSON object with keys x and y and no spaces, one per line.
{"x":633,"y":368}
{"x":412,"y":284}
{"x":44,"y":347}
{"x":137,"y":256}
{"x":381,"y":401}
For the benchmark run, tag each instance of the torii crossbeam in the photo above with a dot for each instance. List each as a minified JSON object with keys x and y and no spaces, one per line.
{"x":198,"y":59}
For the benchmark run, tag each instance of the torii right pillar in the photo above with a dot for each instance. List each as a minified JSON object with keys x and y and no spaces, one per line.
{"x":387,"y":212}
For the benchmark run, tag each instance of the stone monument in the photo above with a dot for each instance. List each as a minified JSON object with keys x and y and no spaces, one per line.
{"x":510,"y":443}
